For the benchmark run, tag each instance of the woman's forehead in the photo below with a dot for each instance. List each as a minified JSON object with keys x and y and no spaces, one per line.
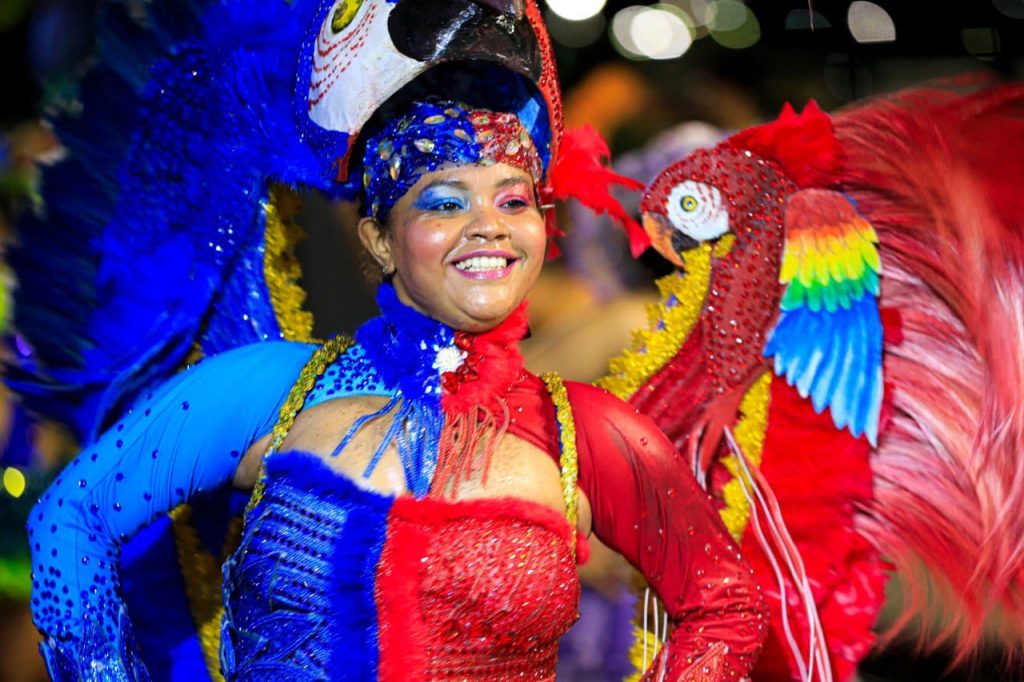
{"x":473,"y":175}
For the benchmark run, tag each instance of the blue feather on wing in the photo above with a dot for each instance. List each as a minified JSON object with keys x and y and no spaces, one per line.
{"x":828,"y":339}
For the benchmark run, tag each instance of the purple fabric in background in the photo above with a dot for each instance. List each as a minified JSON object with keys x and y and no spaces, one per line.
{"x":596,"y":649}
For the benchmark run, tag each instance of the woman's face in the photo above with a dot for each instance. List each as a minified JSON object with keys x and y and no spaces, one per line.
{"x":466,"y":244}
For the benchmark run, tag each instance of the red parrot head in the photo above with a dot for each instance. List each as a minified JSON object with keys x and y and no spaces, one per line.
{"x":719,"y":215}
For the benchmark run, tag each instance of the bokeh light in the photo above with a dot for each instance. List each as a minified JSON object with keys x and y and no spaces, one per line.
{"x":702,"y":12}
{"x":727,"y":15}
{"x":983,"y":43}
{"x":14,"y":482}
{"x":734,"y":25}
{"x":660,"y":31}
{"x":870,"y":23}
{"x":1011,"y":8}
{"x":575,"y":34}
{"x":806,"y":20}
{"x":576,"y":10}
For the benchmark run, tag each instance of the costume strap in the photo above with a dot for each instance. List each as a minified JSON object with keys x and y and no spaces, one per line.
{"x":568,"y":461}
{"x":323,"y":357}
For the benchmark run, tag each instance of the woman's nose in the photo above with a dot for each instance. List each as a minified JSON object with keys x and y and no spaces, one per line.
{"x":488,"y":223}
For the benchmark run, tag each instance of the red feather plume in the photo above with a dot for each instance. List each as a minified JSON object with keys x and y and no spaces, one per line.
{"x":939,"y":176}
{"x":580,"y":171}
{"x":804,"y":145}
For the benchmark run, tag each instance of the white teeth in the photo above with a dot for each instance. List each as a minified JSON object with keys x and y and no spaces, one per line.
{"x":482,"y":264}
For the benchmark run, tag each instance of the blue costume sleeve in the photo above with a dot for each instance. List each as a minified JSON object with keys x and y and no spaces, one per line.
{"x":185,"y":438}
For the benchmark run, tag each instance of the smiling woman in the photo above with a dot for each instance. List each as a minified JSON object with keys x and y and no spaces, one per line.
{"x":419,"y":501}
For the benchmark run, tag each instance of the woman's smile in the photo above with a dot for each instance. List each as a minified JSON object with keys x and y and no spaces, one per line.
{"x":485,"y":265}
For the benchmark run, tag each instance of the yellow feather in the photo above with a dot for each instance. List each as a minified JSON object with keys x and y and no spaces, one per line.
{"x":789,"y":264}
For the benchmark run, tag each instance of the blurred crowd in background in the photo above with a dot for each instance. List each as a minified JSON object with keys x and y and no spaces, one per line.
{"x":657,"y":80}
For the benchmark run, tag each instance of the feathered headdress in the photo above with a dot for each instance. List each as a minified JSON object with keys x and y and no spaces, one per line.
{"x":167,"y":229}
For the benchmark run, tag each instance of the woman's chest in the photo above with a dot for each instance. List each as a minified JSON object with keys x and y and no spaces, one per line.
{"x":463,"y":584}
{"x":514,"y":467}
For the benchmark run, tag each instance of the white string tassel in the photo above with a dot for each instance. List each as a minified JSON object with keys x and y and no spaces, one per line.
{"x":818,"y":656}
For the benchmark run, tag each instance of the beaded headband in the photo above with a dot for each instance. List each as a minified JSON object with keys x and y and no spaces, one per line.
{"x":438,"y":133}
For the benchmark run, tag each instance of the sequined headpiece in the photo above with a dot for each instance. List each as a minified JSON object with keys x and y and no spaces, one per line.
{"x":437,"y":133}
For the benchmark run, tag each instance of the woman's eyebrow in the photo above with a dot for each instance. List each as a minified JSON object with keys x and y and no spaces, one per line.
{"x":512,"y":180}
{"x":445,"y":182}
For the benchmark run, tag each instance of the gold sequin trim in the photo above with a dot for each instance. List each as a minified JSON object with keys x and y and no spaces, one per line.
{"x":670,"y":321}
{"x":201,"y":573}
{"x":568,"y":460}
{"x":750,"y":433}
{"x":281,"y":269}
{"x":313,"y":370}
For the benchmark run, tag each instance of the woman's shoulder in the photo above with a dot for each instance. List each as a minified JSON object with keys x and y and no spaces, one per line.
{"x":255,"y":363}
{"x":598,"y":412}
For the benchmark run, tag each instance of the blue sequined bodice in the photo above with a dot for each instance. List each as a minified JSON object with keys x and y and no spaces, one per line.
{"x":299,"y":589}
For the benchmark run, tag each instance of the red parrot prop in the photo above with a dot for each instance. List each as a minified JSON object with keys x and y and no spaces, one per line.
{"x":840,"y":353}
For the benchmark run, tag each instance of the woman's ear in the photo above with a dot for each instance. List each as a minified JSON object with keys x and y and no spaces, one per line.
{"x":376,"y":241}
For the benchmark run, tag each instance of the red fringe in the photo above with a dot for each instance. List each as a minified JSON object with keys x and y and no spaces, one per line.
{"x":580,"y":172}
{"x":468,"y":442}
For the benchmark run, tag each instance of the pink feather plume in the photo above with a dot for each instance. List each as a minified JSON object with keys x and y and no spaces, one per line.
{"x":941,"y":178}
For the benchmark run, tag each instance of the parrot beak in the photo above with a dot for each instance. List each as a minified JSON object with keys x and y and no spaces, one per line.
{"x":495,"y":31}
{"x":667,"y":240}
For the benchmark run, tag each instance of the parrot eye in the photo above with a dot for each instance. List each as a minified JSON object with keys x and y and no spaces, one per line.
{"x":697,"y":210}
{"x":344,"y":13}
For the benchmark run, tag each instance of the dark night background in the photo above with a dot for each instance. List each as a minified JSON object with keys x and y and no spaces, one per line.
{"x":43,"y":43}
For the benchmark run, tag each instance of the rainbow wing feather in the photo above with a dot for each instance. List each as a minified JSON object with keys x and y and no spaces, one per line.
{"x":828,"y":340}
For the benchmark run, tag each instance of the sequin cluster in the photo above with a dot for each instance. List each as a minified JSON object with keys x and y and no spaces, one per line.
{"x":497,"y":585}
{"x":434,"y":134}
{"x":743,"y":297}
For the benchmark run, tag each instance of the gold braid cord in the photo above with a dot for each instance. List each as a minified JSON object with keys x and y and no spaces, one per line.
{"x":314,"y":369}
{"x":569,"y":459}
{"x":281,"y":269}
